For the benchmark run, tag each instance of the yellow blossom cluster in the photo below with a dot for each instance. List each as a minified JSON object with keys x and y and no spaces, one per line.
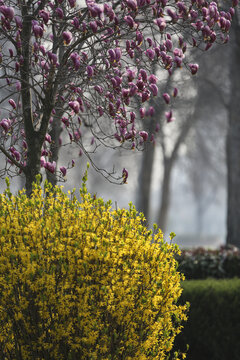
{"x":80,"y":280}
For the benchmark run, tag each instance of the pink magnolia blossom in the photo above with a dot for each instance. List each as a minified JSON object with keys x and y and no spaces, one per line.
{"x":143,"y":74}
{"x":125,"y":175}
{"x":50,"y":166}
{"x":100,"y":111}
{"x":42,"y":161}
{"x":67,"y":37}
{"x":72,"y":3}
{"x":142,"y":112}
{"x":132,"y":116}
{"x":146,"y":94}
{"x":168,"y":116}
{"x":152,"y":79}
{"x":175,"y":92}
{"x":75,"y":106}
{"x":12,"y":103}
{"x":173,"y":15}
{"x":37,"y":29}
{"x":42,"y":49}
{"x":105,"y":64}
{"x":5,"y":124}
{"x":63,"y":170}
{"x":59,"y":13}
{"x":118,"y":137}
{"x":150,"y":53}
{"x":48,"y":138}
{"x":166,"y":98}
{"x":154,"y":89}
{"x":151,"y":111}
{"x":44,"y":15}
{"x":8,"y":12}
{"x":18,"y":22}
{"x":169,"y":44}
{"x":93,"y":25}
{"x":52,"y":57}
{"x":144,"y":135}
{"x":77,"y":134}
{"x":193,"y":68}
{"x":161,"y":23}
{"x":132,"y":4}
{"x":130,"y":74}
{"x":90,"y":71}
{"x":129,"y":20}
{"x":118,"y":54}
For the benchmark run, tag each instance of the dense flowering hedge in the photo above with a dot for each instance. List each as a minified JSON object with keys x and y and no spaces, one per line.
{"x":79,"y":280}
{"x":203,"y":263}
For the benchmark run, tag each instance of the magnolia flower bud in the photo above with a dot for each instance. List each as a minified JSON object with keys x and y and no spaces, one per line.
{"x":154,"y":89}
{"x":42,"y":161}
{"x":175,"y":92}
{"x":125,"y":175}
{"x":5,"y":124}
{"x":59,"y":13}
{"x":12,"y":103}
{"x":50,"y":166}
{"x":72,"y":3}
{"x":63,"y":170}
{"x":37,"y":30}
{"x":144,"y":135}
{"x":142,"y":112}
{"x":166,"y":98}
{"x":44,"y":15}
{"x":89,"y":71}
{"x":161,"y":23}
{"x":129,"y":20}
{"x":48,"y":138}
{"x":143,"y":74}
{"x":168,"y":116}
{"x":193,"y":68}
{"x":8,"y":12}
{"x":67,"y":37}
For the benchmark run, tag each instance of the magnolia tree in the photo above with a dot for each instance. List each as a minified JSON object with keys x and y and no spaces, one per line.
{"x":66,"y":65}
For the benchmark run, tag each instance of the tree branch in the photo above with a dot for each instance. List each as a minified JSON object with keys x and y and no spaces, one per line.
{"x":10,"y":157}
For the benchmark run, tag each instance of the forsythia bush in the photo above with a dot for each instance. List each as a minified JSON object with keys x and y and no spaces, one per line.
{"x":79,"y":280}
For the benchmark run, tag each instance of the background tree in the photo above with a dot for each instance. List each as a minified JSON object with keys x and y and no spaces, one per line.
{"x":233,"y":140}
{"x":65,"y":62}
{"x":170,"y":139}
{"x":201,"y":133}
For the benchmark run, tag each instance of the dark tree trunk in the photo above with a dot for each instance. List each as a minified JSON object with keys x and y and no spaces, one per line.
{"x":33,"y":162}
{"x":55,"y":146}
{"x":233,"y":144}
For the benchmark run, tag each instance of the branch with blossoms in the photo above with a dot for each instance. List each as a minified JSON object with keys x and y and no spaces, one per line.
{"x":87,"y":64}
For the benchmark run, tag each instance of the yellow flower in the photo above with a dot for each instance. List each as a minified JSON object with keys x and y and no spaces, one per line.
{"x":85,"y":278}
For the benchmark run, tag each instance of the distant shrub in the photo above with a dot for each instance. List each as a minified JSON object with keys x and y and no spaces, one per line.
{"x":213,"y":327}
{"x":201,"y":264}
{"x":79,"y":280}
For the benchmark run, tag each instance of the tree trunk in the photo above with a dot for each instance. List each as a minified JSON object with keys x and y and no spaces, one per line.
{"x":168,"y":164}
{"x":145,"y":177}
{"x":165,"y":195}
{"x":146,"y":170}
{"x":55,"y":146}
{"x":233,"y":144}
{"x":33,"y":162}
